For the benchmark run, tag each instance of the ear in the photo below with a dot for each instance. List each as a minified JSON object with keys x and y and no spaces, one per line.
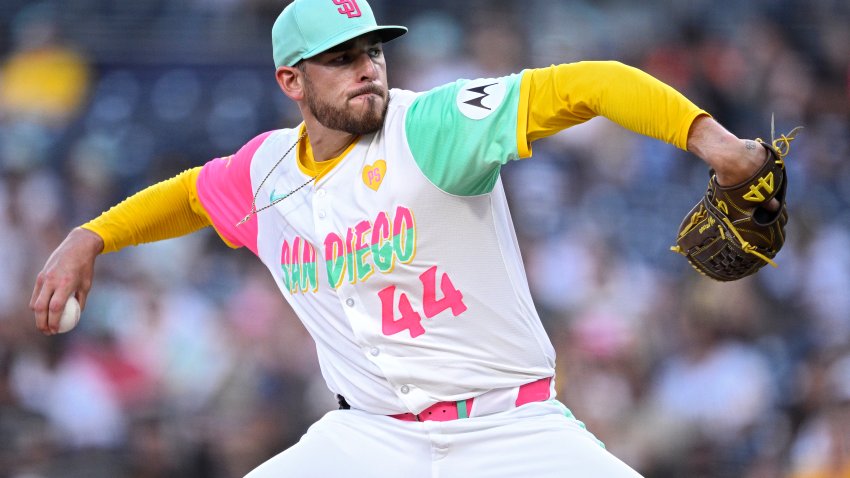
{"x":291,"y":82}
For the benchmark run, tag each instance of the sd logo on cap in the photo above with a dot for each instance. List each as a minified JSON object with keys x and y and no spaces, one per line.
{"x":306,"y":28}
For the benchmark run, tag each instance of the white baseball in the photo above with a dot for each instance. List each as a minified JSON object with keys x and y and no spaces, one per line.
{"x":70,"y":316}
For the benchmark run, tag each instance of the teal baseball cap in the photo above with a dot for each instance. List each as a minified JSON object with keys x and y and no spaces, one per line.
{"x":306,"y":28}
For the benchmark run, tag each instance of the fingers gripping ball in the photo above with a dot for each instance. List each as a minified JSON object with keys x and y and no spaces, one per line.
{"x":70,"y":316}
{"x":729,"y":233}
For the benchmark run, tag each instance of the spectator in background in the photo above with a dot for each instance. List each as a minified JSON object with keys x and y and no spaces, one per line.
{"x":42,"y":80}
{"x":712,"y":392}
{"x":43,"y":85}
{"x":822,"y":449}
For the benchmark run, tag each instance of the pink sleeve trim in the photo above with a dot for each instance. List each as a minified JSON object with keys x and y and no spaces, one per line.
{"x":226,"y":192}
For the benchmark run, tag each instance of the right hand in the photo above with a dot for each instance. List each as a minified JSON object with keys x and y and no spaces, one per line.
{"x":69,"y":270}
{"x":733,"y":160}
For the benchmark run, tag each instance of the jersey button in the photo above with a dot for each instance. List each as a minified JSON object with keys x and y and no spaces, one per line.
{"x":375,"y":352}
{"x":405,"y":389}
{"x":321,"y":193}
{"x":349,"y":302}
{"x":322,"y":214}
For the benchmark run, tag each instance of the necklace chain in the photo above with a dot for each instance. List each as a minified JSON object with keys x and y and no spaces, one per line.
{"x":254,"y":209}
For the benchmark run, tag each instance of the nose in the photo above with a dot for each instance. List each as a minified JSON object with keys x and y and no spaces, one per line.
{"x":367,"y":67}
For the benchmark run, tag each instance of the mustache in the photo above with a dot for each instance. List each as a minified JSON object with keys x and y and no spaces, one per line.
{"x":374,"y":89}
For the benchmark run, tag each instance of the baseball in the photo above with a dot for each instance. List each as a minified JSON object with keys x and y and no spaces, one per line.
{"x":70,"y":316}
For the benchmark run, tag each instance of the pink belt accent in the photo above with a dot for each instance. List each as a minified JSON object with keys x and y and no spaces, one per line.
{"x":536,"y":391}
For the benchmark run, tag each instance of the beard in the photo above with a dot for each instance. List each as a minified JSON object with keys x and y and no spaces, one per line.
{"x":346,"y":119}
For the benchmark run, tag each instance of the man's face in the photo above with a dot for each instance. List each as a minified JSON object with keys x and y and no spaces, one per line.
{"x":346,"y":87}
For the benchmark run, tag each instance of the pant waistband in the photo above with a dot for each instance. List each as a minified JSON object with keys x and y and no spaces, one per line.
{"x":537,"y":391}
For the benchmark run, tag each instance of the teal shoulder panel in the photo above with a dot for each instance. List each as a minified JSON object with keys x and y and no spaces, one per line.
{"x":461,"y":133}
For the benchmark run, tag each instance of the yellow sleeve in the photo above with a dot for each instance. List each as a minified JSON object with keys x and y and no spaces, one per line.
{"x":554,"y":98}
{"x":165,"y":210}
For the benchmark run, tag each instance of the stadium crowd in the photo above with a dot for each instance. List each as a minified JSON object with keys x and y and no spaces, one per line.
{"x":187,"y":361}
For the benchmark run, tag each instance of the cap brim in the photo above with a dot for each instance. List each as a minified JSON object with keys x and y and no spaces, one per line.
{"x":386,"y":32}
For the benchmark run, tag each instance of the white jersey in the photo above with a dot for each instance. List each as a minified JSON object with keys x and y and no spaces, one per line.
{"x":402,"y":260}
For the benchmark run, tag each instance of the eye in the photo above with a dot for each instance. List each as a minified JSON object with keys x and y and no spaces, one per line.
{"x":339,"y":60}
{"x":375,"y":52}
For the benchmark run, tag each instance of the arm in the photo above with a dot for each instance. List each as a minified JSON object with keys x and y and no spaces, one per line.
{"x":558,"y":97}
{"x":562,"y":96}
{"x":164,"y":210}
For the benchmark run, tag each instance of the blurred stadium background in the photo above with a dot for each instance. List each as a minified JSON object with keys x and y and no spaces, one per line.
{"x":188,"y":363}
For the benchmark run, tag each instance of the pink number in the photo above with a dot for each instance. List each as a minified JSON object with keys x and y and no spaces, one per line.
{"x":409,"y":319}
{"x":452,"y":298}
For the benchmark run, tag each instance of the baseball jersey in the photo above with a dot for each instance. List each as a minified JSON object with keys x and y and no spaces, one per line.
{"x":401,"y":260}
{"x":399,"y":255}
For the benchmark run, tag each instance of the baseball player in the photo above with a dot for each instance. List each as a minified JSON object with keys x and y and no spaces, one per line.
{"x":383,"y":220}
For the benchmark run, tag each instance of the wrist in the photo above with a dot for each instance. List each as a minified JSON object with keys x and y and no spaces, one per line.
{"x":87,"y":240}
{"x":743,"y":160}
{"x":733,"y":160}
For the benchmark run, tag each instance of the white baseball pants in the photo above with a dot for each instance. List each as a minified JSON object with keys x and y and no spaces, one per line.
{"x":539,"y":439}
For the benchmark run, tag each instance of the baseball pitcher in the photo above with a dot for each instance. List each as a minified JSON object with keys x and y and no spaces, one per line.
{"x":383,"y":220}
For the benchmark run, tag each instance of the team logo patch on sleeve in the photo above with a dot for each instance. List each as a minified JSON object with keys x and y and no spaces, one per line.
{"x":480,"y":98}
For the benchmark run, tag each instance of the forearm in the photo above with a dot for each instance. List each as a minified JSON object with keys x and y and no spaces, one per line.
{"x":565,"y":95}
{"x":165,"y":210}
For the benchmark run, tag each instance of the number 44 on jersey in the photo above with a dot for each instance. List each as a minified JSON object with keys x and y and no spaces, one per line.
{"x":411,"y":319}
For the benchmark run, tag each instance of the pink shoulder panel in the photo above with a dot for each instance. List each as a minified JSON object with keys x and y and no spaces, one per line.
{"x":226,"y":192}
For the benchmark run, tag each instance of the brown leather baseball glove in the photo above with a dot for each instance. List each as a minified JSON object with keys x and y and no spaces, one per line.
{"x":730,"y":233}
